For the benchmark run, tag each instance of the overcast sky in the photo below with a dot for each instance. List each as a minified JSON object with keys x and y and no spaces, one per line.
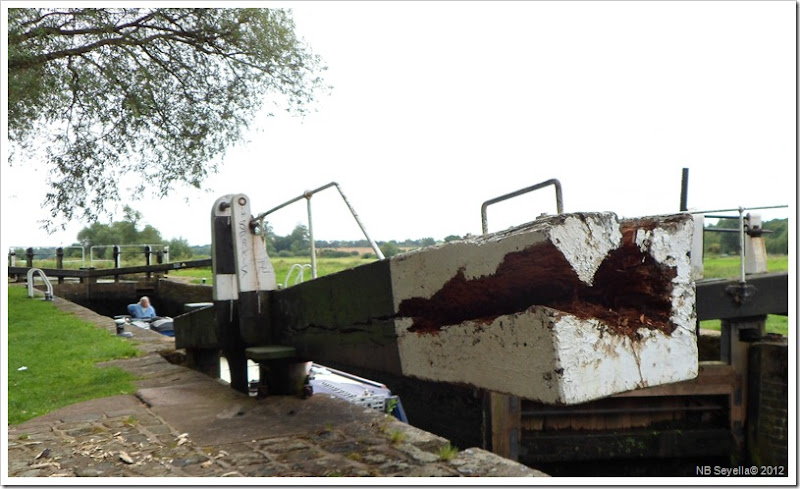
{"x":437,"y":107}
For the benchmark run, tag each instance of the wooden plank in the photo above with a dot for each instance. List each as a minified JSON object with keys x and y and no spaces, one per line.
{"x":50,"y":272}
{"x":771,"y":297}
{"x":506,"y":423}
{"x":714,"y":378}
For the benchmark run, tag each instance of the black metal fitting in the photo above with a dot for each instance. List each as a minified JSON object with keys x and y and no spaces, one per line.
{"x":741,"y":292}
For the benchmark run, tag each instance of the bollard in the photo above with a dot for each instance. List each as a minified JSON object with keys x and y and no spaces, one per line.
{"x":12,"y":262}
{"x":60,"y":262}
{"x":117,"y":259}
{"x":29,"y":257}
{"x":147,"y":259}
{"x":160,"y":259}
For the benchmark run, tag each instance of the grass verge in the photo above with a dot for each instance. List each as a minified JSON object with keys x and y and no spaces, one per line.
{"x":59,"y":352}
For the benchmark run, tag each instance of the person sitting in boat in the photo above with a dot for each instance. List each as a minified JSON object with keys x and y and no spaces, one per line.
{"x":142,"y":309}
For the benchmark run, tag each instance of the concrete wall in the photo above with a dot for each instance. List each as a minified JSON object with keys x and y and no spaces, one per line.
{"x":767,"y":423}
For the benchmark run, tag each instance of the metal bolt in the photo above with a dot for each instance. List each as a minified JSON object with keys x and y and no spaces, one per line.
{"x":242,"y":201}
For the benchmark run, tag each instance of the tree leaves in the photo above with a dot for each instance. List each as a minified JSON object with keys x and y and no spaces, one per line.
{"x":146,"y":98}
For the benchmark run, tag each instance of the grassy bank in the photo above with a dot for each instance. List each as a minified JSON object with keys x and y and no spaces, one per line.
{"x":58,"y":352}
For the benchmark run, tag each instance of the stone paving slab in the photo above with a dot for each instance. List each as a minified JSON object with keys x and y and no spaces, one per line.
{"x":185,"y":424}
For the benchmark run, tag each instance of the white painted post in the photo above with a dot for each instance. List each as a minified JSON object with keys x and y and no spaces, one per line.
{"x":755,"y":249}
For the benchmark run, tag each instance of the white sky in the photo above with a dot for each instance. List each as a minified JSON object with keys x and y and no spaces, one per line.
{"x":437,"y":107}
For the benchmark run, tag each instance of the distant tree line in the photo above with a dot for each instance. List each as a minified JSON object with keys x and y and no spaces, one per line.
{"x":296,"y":243}
{"x":723,"y":243}
{"x":128,"y":231}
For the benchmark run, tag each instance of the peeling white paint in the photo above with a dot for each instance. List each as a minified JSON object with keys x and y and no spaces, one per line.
{"x":671,"y":245}
{"x":422,"y":273}
{"x":643,"y":239}
{"x":541,"y":353}
{"x":696,"y":255}
{"x":512,"y":354}
{"x":585,"y":240}
{"x":546,"y":355}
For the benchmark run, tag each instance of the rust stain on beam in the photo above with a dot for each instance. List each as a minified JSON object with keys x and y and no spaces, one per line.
{"x":630,"y":290}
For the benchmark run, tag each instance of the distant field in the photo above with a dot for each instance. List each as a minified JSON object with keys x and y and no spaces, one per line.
{"x":728,"y":266}
{"x":282,"y":265}
{"x":360,"y":250}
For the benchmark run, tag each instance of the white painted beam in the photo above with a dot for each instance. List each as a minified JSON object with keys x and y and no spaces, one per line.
{"x":539,"y":351}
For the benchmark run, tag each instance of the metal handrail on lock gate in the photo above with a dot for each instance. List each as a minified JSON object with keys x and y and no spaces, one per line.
{"x":546,"y":183}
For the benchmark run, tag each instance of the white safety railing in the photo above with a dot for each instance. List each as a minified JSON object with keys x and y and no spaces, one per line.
{"x":153,"y":248}
{"x":83,"y":254}
{"x":299,"y":278}
{"x":741,"y":230}
{"x":307,"y":195}
{"x":48,"y":295}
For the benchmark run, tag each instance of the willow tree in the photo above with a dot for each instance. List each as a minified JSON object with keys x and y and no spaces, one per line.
{"x":149,"y":97}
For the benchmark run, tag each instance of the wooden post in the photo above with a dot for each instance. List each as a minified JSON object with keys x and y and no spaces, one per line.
{"x":12,"y":262}
{"x":147,"y":259}
{"x":29,"y":257}
{"x":117,"y":260}
{"x":60,"y":262}
{"x":205,"y":360}
{"x":160,"y":256}
{"x":735,"y":339}
{"x":502,"y":424}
